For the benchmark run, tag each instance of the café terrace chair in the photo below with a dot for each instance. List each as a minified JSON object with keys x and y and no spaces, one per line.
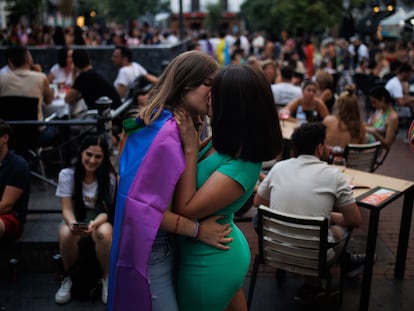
{"x":364,"y":157}
{"x":24,"y":138}
{"x":296,"y":244}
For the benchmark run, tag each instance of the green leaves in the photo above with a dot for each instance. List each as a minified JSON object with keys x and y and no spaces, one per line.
{"x":291,"y":15}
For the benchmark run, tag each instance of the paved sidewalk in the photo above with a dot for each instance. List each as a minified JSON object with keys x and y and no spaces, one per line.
{"x":35,"y":292}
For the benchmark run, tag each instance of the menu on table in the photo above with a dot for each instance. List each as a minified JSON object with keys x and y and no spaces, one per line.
{"x":377,"y":196}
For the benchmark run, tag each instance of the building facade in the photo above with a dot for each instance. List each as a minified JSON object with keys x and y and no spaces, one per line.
{"x":195,"y":11}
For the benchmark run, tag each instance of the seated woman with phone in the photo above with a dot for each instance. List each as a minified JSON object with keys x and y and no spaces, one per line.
{"x":87,"y":192}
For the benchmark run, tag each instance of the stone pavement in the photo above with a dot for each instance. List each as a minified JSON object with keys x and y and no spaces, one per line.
{"x":36,"y":284}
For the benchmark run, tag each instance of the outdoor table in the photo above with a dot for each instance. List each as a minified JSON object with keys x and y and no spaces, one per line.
{"x":401,"y":187}
{"x":287,"y":127}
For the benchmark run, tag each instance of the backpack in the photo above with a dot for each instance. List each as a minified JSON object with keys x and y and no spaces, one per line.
{"x":86,"y":272}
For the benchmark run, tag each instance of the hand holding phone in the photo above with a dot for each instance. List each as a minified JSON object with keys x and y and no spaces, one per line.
{"x":81,"y":225}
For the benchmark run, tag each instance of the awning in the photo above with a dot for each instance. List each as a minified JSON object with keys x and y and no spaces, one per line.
{"x":392,"y":26}
{"x":369,"y":23}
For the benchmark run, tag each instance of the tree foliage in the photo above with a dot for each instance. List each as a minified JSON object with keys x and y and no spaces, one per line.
{"x":124,"y":10}
{"x":213,"y":17}
{"x":311,"y":16}
{"x":23,"y":7}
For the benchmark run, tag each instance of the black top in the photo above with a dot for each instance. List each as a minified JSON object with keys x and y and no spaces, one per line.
{"x":14,"y":171}
{"x":92,"y":85}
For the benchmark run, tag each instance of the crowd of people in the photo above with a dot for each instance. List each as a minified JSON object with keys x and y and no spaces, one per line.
{"x":161,"y":222}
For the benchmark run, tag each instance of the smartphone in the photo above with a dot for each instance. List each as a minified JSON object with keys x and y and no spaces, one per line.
{"x":81,"y":225}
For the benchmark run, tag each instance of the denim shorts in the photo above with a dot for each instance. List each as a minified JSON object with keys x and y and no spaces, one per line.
{"x":161,"y":272}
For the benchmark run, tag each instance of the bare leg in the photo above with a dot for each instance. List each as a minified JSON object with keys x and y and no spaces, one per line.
{"x":238,"y":303}
{"x":103,"y":240}
{"x":68,"y":245}
{"x":338,"y":233}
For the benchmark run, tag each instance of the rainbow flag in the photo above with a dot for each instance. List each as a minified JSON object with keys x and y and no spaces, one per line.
{"x":151,"y":163}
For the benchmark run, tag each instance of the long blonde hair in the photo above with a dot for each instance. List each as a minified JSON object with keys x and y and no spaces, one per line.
{"x":347,"y":112}
{"x":187,"y":71}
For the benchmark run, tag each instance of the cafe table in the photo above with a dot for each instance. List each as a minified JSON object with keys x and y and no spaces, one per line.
{"x":375,"y":192}
{"x":287,"y":127}
{"x":57,"y":106}
{"x":62,"y":109}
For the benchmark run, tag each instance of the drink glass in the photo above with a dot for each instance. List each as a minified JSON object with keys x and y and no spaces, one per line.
{"x":283,"y":115}
{"x":339,"y":161}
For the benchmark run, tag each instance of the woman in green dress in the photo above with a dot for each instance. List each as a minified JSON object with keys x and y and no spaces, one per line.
{"x":219,"y":179}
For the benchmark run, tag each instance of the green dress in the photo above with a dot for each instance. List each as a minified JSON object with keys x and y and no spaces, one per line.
{"x":208,"y":277}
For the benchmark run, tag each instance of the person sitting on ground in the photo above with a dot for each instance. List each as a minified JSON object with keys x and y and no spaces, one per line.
{"x":383,"y":124}
{"x":313,"y":107}
{"x":324,"y":192}
{"x":14,"y":188}
{"x":129,"y":71}
{"x":345,"y":126}
{"x":89,"y":84}
{"x":87,"y":192}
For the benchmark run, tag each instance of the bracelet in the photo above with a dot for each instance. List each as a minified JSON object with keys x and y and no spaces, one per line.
{"x":176,"y":224}
{"x":195,"y":232}
{"x":199,"y":232}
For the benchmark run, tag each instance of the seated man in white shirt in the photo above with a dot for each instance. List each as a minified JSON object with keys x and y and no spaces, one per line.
{"x":128,"y":72}
{"x":308,"y":186}
{"x":398,"y":88}
{"x":285,"y":91}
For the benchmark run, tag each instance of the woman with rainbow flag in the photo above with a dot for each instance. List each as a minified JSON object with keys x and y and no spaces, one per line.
{"x":152,"y":160}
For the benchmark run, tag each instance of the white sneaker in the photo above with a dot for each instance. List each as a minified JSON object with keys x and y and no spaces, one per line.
{"x":104,"y":295}
{"x":63,"y":295}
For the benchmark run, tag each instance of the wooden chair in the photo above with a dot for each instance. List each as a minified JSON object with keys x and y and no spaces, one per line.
{"x":364,"y":157}
{"x":297,"y":244}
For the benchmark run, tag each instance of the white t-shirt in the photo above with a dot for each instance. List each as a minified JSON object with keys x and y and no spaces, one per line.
{"x":284,"y":92}
{"x":127,"y":74}
{"x":305,"y":186}
{"x":5,"y":69}
{"x":394,"y":87}
{"x":66,"y":185}
{"x":61,"y":76}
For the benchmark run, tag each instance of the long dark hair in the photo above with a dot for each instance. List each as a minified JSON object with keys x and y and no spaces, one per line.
{"x":103,"y":174}
{"x":245,"y":124}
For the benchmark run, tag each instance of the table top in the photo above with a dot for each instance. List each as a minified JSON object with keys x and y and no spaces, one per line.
{"x":372,"y":180}
{"x":287,"y":127}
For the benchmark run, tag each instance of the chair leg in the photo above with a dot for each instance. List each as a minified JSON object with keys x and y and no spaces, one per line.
{"x":42,"y":171}
{"x":253,"y":281}
{"x":341,"y":282}
{"x":280,"y":277}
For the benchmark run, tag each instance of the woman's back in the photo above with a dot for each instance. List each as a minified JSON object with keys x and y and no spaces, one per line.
{"x":345,"y":126}
{"x":337,"y":133}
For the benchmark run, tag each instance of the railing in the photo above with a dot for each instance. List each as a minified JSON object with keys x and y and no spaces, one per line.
{"x":102,"y":122}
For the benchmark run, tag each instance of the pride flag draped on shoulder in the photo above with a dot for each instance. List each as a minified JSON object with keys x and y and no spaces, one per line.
{"x":151,"y":163}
